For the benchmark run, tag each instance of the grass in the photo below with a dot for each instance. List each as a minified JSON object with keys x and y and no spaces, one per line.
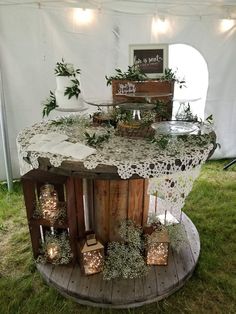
{"x":212,"y":289}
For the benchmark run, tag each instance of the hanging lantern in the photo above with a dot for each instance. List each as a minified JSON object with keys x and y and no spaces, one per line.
{"x":92,"y":255}
{"x":158,"y":248}
{"x":48,"y":200}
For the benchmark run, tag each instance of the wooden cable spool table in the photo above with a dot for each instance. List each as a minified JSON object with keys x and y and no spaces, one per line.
{"x":114,"y":199}
{"x":108,"y":199}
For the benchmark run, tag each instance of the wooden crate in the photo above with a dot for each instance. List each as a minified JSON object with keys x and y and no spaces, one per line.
{"x":149,"y":87}
{"x":114,"y":201}
{"x":67,"y":188}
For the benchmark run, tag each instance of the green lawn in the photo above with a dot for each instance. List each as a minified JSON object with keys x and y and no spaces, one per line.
{"x":212,"y":289}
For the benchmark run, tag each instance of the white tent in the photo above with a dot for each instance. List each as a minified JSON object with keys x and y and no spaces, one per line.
{"x":34,"y":35}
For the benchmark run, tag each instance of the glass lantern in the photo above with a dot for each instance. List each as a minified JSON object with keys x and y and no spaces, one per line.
{"x":158,"y":248}
{"x":48,"y":200}
{"x":92,"y":256}
{"x":53,"y":252}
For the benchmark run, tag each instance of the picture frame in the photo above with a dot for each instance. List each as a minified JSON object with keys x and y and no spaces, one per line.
{"x":152,"y":59}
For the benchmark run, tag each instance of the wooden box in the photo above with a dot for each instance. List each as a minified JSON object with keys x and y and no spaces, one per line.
{"x":67,"y":188}
{"x":165,"y":89}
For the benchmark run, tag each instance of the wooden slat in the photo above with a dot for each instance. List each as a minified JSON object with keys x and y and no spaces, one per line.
{"x":123,"y":291}
{"x":78,"y":182}
{"x":60,"y":276}
{"x":45,"y":270}
{"x":135,"y":202}
{"x":139,"y":289}
{"x":146,"y":201}
{"x":30,"y":201}
{"x":106,"y":293}
{"x":167,"y":277}
{"x":47,"y":223}
{"x":96,"y":287}
{"x":71,"y":215}
{"x":101,"y":209}
{"x":149,"y":283}
{"x":44,"y":176}
{"x":90,"y":198}
{"x":29,"y":196}
{"x":193,"y":237}
{"x":118,"y":205}
{"x":184,"y":262}
{"x":78,"y":284}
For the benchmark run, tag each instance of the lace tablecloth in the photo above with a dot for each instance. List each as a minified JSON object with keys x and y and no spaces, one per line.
{"x":172,"y":169}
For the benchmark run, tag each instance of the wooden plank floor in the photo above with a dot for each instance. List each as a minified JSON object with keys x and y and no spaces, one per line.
{"x":160,"y":282}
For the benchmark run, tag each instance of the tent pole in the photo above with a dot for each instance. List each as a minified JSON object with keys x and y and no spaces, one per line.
{"x":5,"y":141}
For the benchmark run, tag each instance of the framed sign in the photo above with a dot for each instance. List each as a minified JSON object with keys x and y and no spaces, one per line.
{"x":151,"y":59}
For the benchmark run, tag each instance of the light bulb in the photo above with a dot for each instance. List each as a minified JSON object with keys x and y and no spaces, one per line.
{"x":226,"y":25}
{"x":83,"y":16}
{"x":159,"y":25}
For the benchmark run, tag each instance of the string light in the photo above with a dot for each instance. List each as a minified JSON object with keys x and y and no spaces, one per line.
{"x":93,"y":262}
{"x":49,"y":202}
{"x":227,"y":24}
{"x":159,"y":25}
{"x":92,"y":256}
{"x":157,"y":254}
{"x":83,"y":16}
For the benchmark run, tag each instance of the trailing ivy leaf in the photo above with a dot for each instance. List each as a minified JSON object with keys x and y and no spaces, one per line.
{"x":96,"y":140}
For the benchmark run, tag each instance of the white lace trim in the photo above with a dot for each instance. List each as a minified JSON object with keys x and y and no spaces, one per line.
{"x":172,"y":170}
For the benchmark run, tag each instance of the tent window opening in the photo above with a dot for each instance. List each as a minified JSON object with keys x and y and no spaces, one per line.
{"x":190,"y":65}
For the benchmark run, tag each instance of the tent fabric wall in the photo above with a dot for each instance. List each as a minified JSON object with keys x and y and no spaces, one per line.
{"x":32,"y":40}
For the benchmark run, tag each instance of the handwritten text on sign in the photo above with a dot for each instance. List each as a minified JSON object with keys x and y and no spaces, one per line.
{"x":149,"y":60}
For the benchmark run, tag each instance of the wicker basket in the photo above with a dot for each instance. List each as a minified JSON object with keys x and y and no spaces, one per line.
{"x":134,"y":130}
{"x":100,"y":119}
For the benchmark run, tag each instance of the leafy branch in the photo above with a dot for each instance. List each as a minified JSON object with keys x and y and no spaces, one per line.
{"x":65,"y":69}
{"x":96,"y":140}
{"x":170,"y":75}
{"x":161,"y":142}
{"x":73,"y":90}
{"x":49,"y":104}
{"x":133,"y":74}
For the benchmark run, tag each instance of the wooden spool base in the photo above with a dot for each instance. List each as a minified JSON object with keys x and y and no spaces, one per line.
{"x":159,"y":283}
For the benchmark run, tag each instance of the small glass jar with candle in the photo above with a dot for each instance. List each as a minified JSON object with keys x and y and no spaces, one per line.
{"x":48,"y":200}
